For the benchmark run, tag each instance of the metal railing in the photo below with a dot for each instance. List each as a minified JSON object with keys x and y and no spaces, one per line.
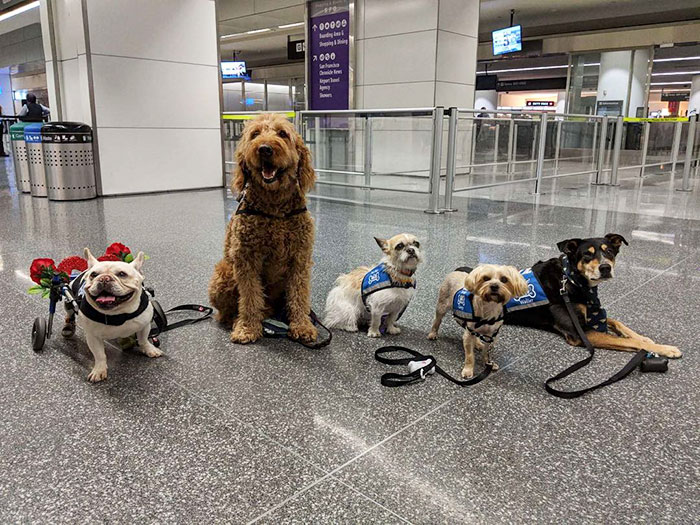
{"x":360,"y":155}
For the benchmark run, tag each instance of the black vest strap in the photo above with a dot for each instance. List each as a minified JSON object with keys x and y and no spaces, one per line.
{"x":91,"y":313}
{"x":241,"y":210}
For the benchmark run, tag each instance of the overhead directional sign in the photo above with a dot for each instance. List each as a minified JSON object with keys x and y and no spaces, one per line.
{"x":329,"y":54}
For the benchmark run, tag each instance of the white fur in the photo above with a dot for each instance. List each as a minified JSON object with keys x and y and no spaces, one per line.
{"x":97,"y":333}
{"x":345,"y":309}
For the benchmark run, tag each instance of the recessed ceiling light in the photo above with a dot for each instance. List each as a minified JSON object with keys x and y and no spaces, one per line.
{"x":669,"y":83}
{"x":679,"y":59}
{"x":676,"y":73}
{"x":257,"y":31}
{"x":15,"y":12}
{"x":296,"y":24}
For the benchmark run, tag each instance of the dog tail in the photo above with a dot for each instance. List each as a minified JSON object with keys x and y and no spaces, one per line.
{"x":342,"y":308}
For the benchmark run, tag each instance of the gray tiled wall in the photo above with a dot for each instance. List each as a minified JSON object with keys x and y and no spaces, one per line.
{"x":21,"y":46}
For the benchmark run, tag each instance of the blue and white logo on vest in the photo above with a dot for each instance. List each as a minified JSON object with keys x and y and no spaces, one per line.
{"x":535,"y":295}
{"x":462,"y":306}
{"x":378,"y":279}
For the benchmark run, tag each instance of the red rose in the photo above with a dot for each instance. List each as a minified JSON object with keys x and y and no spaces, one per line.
{"x":109,"y":257}
{"x":117,"y":249}
{"x":39,"y":266}
{"x":74,"y":262}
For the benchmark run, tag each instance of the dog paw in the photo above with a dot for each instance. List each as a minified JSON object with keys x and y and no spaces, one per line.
{"x":373,"y":333}
{"x":494,"y":365}
{"x":433,"y":336}
{"x":97,"y":374}
{"x":151,"y":351}
{"x":393,"y":330}
{"x":243,"y":334}
{"x":468,"y":372}
{"x":68,"y":330}
{"x":669,"y":351}
{"x":305,"y":332}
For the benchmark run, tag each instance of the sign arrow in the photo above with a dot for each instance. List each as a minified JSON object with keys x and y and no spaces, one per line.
{"x":313,"y":27}
{"x":315,"y":58}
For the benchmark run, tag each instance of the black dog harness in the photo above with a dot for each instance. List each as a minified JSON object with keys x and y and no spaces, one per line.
{"x":378,"y":278}
{"x":77,"y":287}
{"x":596,"y":316}
{"x":463,"y":312}
{"x":246,"y":210}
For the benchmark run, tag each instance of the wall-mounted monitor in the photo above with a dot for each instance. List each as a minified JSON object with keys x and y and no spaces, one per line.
{"x":507,"y":40}
{"x":234,"y":70}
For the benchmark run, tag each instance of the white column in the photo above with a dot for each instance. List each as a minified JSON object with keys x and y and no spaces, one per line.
{"x":145,"y":76}
{"x":694,"y":101}
{"x":486,"y":98}
{"x":415,"y":54}
{"x":561,"y":102}
{"x":623,"y":76}
{"x":6,"y":94}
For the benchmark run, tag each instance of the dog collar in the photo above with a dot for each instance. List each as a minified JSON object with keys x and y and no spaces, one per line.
{"x":596,"y":315}
{"x":244,"y":209}
{"x":408,"y":273}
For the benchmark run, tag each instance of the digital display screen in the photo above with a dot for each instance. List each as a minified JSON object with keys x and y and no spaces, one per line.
{"x":234,"y":70}
{"x":508,"y":40}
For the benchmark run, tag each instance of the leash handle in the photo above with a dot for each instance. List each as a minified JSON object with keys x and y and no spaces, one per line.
{"x":161,"y":320}
{"x":391,"y":379}
{"x":318,"y":344}
{"x":571,"y":394}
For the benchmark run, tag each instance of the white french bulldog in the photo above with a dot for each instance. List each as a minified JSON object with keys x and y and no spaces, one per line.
{"x":116,"y":307}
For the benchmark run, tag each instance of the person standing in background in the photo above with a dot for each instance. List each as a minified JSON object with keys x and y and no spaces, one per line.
{"x":2,"y":130}
{"x":33,"y":112}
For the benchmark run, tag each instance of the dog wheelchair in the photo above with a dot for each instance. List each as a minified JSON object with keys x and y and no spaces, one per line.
{"x":61,"y":291}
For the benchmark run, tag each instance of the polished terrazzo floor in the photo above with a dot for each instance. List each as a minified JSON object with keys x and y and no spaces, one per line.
{"x":276,"y":433}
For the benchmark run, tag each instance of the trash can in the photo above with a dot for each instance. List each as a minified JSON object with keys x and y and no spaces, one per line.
{"x":19,"y":156}
{"x":70,"y":169}
{"x":35,"y":159}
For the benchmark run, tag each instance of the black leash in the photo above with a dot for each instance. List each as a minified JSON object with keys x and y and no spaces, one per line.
{"x":633,"y":363}
{"x":161,"y":320}
{"x":392,"y":379}
{"x":279,"y":328}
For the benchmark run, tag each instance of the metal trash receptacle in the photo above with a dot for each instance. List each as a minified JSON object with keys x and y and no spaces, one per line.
{"x":35,"y":158}
{"x":19,"y":156}
{"x":70,"y":167}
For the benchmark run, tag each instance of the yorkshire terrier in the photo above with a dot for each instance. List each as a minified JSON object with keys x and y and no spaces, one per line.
{"x":369,"y":295}
{"x":477,"y":299}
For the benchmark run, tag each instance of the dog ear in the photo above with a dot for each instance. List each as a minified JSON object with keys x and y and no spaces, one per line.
{"x":306,"y":174}
{"x":569,"y":246}
{"x":137,"y":263}
{"x":471,"y":279}
{"x":616,"y":240}
{"x":240,"y":174}
{"x":519,"y":283}
{"x":383,"y":244}
{"x":90,"y":258}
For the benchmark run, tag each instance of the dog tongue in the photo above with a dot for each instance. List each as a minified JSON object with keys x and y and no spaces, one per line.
{"x":268,"y":173}
{"x":106,"y":299}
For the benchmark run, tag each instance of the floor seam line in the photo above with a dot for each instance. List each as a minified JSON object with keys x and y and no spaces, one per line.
{"x":249,"y":426}
{"x":349,"y":486}
{"x":650,"y":280}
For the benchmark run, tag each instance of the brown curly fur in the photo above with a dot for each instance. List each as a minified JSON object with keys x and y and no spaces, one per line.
{"x":267,"y":261}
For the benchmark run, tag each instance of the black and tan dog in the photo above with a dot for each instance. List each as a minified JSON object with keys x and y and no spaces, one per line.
{"x":585,"y":264}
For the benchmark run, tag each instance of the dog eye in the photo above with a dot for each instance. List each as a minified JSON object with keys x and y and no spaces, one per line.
{"x":282,"y":134}
{"x":121,"y":274}
{"x":399,"y":247}
{"x":254,"y":133}
{"x":416,"y":244}
{"x":504,"y":279}
{"x":93,"y":274}
{"x":486,"y":278}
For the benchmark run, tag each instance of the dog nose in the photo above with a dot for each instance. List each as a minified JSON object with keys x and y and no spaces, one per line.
{"x":265,"y":150}
{"x":410,"y":251}
{"x":106,"y":278}
{"x":605,"y":270}
{"x":495,"y":287}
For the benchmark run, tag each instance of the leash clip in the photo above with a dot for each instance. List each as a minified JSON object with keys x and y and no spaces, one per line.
{"x":421,"y":365}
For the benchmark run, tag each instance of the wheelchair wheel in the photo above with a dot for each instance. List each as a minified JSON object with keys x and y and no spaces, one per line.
{"x":39,"y":334}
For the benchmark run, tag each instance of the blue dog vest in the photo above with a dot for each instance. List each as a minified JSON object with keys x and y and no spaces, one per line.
{"x":463,"y":310}
{"x":379,"y":279}
{"x":535,"y":295}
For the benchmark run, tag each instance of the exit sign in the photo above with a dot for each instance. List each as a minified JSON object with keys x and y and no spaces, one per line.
{"x":539,"y":103}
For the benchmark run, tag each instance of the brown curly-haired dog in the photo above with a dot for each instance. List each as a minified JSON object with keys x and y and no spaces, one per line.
{"x":268,"y":245}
